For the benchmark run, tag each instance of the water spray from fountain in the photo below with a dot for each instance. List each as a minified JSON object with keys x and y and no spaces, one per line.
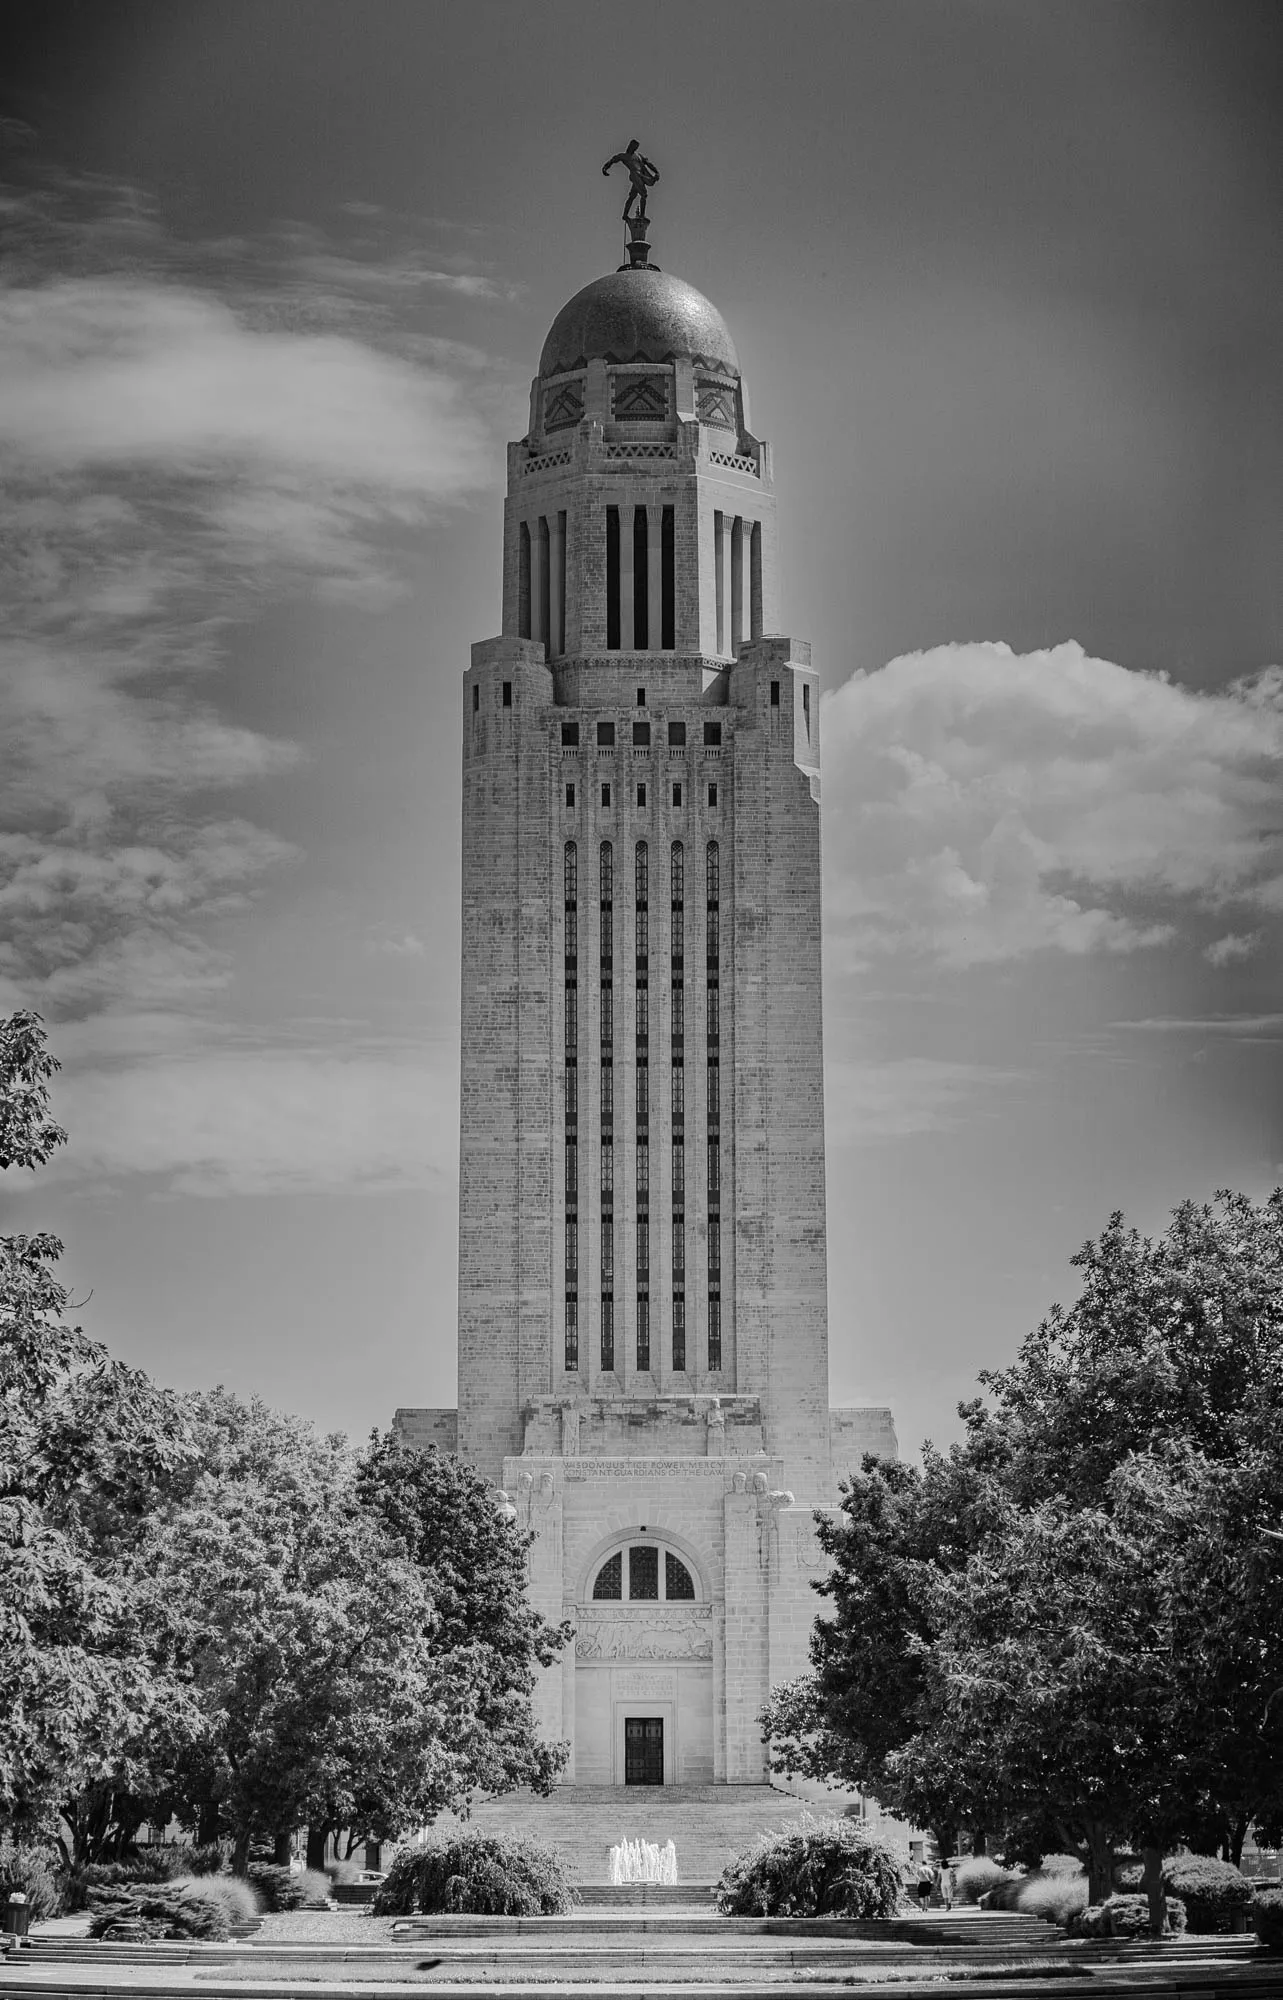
{"x":643,"y":1861}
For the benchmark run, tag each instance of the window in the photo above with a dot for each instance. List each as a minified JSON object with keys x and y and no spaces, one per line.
{"x":643,"y":1332}
{"x":607,"y":1248}
{"x":679,"y":1171}
{"x":608,"y":1167}
{"x":678,"y":1581}
{"x":643,"y":1014}
{"x":806,"y":708}
{"x":605,"y":795}
{"x":572,"y":933}
{"x":714,"y":1011}
{"x":607,"y":1333}
{"x":572,"y":1336}
{"x":572,"y":1249}
{"x":607,"y":1014}
{"x":572,"y":1170}
{"x":641,"y":697}
{"x":678,"y":874}
{"x":606,"y":874}
{"x":712,"y":734}
{"x":476,"y":698}
{"x":714,"y":1092}
{"x":637,"y":1572}
{"x":643,"y":1571}
{"x":571,"y":872}
{"x":570,"y":795}
{"x":641,"y":874}
{"x":712,"y":872}
{"x":643,"y":1093}
{"x":713,"y":944}
{"x":712,"y":795}
{"x":570,"y":735}
{"x":643,"y":1171}
{"x":677,"y":795}
{"x":610,"y":1577}
{"x":677,"y":735}
{"x":641,"y":736}
{"x":679,"y":1013}
{"x":679,"y":1333}
{"x":679,"y":1250}
{"x":643,"y":1248}
{"x":679,"y":1091}
{"x":507,"y":694}
{"x":605,"y":735}
{"x":641,"y":580}
{"x":572,"y":1093}
{"x":608,"y":1092}
{"x":714,"y":1178}
{"x":641,"y":795}
{"x":572,"y":1018}
{"x":775,"y":694}
{"x":612,"y":579}
{"x":668,"y":581}
{"x":714,"y":1332}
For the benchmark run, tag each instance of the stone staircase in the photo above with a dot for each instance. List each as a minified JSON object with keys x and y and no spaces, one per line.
{"x":706,"y":1823}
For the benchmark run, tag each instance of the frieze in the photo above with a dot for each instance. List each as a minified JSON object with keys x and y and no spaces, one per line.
{"x":646,"y":1468}
{"x":663,"y":1632}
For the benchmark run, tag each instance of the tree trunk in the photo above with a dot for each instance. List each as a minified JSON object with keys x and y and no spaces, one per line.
{"x":317,"y":1841}
{"x":1152,"y":1884}
{"x":207,"y":1825}
{"x":240,"y":1852}
{"x":1238,"y":1834}
{"x":282,"y":1843}
{"x":1100,"y":1862}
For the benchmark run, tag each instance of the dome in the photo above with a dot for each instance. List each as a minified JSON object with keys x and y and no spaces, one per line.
{"x":638,"y":315}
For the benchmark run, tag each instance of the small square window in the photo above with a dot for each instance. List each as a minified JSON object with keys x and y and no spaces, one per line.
{"x":677,"y":734}
{"x":605,"y":795}
{"x":712,"y":795}
{"x":712,"y":733}
{"x":605,"y":735}
{"x":677,"y":795}
{"x":641,"y":795}
{"x":507,"y":694}
{"x":476,"y":697}
{"x":775,"y":694}
{"x":570,"y":735}
{"x":570,"y":795}
{"x":641,"y":736}
{"x":641,"y":697}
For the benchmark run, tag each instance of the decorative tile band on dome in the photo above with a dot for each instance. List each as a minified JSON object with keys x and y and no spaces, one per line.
{"x":577,"y":366}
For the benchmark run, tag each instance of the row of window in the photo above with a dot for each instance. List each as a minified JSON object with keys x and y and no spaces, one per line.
{"x":606,"y":735}
{"x":606,"y":730}
{"x":636,"y":1573}
{"x":641,"y":901}
{"x":640,"y":793}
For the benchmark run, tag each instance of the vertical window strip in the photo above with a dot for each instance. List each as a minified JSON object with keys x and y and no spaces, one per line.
{"x":607,"y":1333}
{"x":572,"y":1336}
{"x":643,"y":1333}
{"x":668,"y":612}
{"x":679,"y":1333}
{"x":714,"y":1332}
{"x":570,"y":889}
{"x":612,"y":579}
{"x":641,"y":580}
{"x":523,"y":580}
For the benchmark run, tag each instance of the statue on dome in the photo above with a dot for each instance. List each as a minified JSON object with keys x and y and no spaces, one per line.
{"x":642,"y":175}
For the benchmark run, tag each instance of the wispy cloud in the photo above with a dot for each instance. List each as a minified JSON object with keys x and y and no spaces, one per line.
{"x":900,"y":1097}
{"x":982,"y":805}
{"x":1251,"y":1026}
{"x":191,"y":431}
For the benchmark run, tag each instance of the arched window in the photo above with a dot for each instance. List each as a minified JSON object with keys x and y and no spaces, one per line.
{"x":644,"y":1573}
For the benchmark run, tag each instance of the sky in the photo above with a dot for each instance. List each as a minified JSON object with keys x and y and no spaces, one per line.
{"x":1004,"y":280}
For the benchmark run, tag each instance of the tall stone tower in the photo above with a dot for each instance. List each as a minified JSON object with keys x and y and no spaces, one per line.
{"x":643,"y":1342}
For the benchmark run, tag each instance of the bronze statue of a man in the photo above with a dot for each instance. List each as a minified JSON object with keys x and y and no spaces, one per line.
{"x":642,"y":174}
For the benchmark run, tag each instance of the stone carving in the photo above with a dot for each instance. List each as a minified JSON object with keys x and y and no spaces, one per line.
{"x":739,"y":1482}
{"x":657,"y":1632}
{"x":716,"y":1419}
{"x":782,"y":1498}
{"x":757,"y":1482}
{"x":570,"y":1417}
{"x":563,"y":406}
{"x":641,"y":398}
{"x":717,"y":404}
{"x":647,"y":1468}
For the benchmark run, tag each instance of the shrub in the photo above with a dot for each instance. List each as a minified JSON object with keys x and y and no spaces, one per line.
{"x":281,"y":1889}
{"x":814,"y":1868}
{"x":231,"y":1894}
{"x":475,"y":1874}
{"x":1213,"y":1891}
{"x":976,"y":1877}
{"x":1124,"y":1916}
{"x":1060,"y":1864}
{"x":32,"y":1872}
{"x":167,"y":1911}
{"x":344,"y":1871}
{"x":1057,"y":1897}
{"x":1267,"y":1918}
{"x":211,"y":1859}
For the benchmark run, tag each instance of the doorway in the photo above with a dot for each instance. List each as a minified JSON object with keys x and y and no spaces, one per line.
{"x":644,"y":1750}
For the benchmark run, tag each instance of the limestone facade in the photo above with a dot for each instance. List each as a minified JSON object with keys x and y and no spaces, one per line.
{"x":643,"y":1342}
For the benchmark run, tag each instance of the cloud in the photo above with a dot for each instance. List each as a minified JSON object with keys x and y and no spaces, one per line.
{"x":982,"y":805}
{"x":1250,"y":1025}
{"x":190,"y":432}
{"x":900,"y":1097}
{"x":228,"y":1122}
{"x":1228,"y":950}
{"x":408,"y":945}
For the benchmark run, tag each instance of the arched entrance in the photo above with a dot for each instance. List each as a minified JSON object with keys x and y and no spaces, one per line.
{"x":644,"y":1668}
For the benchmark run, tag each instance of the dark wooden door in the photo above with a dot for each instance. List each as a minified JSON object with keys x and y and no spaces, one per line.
{"x":644,"y":1750}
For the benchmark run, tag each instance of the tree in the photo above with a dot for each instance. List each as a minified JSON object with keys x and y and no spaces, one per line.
{"x":1074,"y":1621}
{"x":81,"y":1439}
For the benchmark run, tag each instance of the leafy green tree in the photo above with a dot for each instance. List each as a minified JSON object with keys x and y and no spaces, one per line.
{"x":81,"y":1441}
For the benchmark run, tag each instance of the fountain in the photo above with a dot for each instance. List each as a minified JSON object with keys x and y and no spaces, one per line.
{"x":642,"y":1861}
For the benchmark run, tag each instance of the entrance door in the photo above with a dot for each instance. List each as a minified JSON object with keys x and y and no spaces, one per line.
{"x":644,"y":1750}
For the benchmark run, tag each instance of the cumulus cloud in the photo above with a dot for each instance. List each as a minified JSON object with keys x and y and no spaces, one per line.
{"x":982,"y":805}
{"x":1234,"y":946}
{"x":231,"y":1122}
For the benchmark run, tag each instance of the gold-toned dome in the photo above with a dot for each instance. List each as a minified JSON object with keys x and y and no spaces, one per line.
{"x":638,"y":315}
